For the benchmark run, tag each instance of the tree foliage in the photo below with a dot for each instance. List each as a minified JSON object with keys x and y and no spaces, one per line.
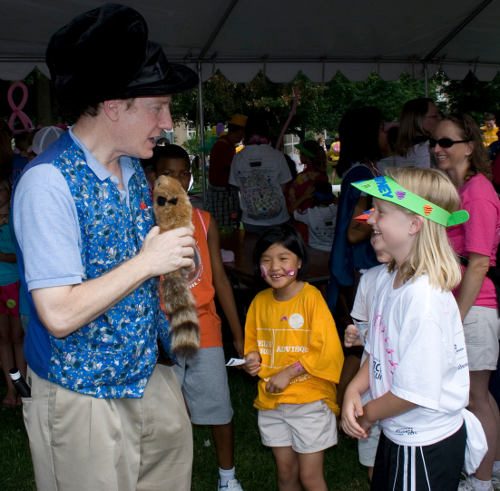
{"x":321,"y":106}
{"x":474,"y":96}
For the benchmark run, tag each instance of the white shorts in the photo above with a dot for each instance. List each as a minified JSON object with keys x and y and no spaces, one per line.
{"x":307,"y":428}
{"x":203,"y":378}
{"x":367,"y":447}
{"x":481,"y":331}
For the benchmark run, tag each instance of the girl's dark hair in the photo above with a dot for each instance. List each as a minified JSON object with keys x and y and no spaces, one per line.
{"x":288,"y":237}
{"x":169,"y":151}
{"x":359,"y":133}
{"x":411,"y":124}
{"x":469,"y":129}
{"x":257,"y":126}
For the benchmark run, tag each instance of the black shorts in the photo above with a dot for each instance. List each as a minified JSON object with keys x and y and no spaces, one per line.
{"x":435,"y":467}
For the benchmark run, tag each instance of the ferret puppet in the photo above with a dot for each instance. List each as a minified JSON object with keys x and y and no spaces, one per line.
{"x":172,"y":210}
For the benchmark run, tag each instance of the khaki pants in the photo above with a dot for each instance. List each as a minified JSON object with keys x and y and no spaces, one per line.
{"x":81,"y":443}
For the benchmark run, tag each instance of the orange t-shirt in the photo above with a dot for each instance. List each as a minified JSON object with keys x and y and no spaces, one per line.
{"x":202,"y":286}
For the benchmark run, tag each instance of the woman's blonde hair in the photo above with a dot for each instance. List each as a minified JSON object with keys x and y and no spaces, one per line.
{"x":432,"y":253}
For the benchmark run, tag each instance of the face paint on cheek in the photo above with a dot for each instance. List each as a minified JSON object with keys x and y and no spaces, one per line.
{"x":291,"y":272}
{"x":263,"y":271}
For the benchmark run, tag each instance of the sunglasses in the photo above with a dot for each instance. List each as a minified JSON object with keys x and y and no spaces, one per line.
{"x":445,"y":142}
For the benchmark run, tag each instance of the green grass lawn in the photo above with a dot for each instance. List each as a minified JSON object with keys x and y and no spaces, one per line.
{"x":254,"y":463}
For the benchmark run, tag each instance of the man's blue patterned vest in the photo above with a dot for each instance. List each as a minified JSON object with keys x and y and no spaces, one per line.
{"x":114,"y":355}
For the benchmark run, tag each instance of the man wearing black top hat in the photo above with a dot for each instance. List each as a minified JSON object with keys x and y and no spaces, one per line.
{"x":103,"y":415}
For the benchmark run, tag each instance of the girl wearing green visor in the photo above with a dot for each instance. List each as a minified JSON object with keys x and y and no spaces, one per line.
{"x":416,"y":370}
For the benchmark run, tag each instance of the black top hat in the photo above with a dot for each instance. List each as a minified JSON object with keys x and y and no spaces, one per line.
{"x":105,"y":54}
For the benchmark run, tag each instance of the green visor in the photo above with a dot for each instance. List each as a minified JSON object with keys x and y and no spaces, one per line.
{"x":387,"y":189}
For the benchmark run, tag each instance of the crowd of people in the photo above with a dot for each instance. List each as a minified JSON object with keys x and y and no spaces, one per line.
{"x":398,"y":350}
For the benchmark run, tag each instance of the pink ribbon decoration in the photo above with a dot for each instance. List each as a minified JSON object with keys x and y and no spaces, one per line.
{"x":17,"y":109}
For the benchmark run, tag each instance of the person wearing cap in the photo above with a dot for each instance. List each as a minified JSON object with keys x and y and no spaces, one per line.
{"x":489,"y":129}
{"x":222,"y":198}
{"x":103,"y":414}
{"x":44,"y":137}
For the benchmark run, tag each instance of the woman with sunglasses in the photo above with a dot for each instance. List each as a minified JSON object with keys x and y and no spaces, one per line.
{"x":459,"y":151}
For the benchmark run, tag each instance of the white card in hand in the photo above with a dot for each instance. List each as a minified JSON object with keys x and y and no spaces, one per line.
{"x":235,"y":362}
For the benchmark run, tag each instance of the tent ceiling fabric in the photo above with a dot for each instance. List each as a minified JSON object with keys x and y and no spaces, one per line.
{"x":282,"y":37}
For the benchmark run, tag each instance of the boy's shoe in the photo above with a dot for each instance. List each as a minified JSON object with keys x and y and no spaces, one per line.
{"x":466,"y":485}
{"x":495,"y":481}
{"x":232,"y":485}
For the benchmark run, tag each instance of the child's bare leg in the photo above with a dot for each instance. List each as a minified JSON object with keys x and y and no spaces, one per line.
{"x":287,"y":465}
{"x":311,"y":471}
{"x":479,"y":404}
{"x":224,"y":445}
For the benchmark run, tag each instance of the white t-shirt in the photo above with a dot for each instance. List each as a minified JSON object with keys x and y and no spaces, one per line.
{"x":363,"y":302}
{"x":259,"y":171}
{"x":320,"y":222}
{"x":365,"y":292}
{"x":417,"y":351}
{"x":419,"y":156}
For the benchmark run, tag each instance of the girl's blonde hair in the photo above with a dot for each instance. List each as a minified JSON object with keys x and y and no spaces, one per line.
{"x":432,"y":253}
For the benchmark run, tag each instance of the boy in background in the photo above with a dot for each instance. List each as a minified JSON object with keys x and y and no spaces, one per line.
{"x":203,"y":377}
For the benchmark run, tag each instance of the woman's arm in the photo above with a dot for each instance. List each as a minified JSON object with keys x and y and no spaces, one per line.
{"x":472,"y":281}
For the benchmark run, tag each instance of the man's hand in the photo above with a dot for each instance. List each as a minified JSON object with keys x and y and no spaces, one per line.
{"x":167,"y":252}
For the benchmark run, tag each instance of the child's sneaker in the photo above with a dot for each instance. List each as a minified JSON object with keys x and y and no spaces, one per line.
{"x":495,"y":481}
{"x":467,"y":485}
{"x":233,"y":485}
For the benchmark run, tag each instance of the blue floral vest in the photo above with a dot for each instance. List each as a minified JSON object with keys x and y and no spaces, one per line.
{"x":114,"y":355}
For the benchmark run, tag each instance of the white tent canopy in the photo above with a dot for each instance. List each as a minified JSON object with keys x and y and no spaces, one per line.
{"x":283,"y":37}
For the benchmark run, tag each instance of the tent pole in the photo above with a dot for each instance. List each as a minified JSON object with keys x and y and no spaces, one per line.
{"x":456,"y":30}
{"x":217,"y":29}
{"x":201,"y":132}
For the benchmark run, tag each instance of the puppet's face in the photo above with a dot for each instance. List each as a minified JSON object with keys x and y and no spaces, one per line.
{"x":171,"y":204}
